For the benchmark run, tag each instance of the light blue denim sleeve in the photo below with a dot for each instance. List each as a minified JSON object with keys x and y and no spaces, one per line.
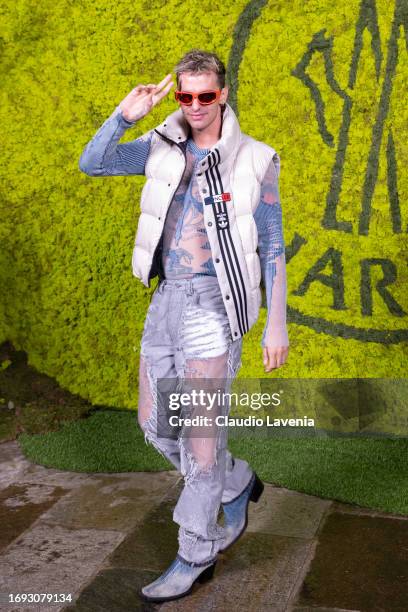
{"x":104,"y":156}
{"x":271,"y":247}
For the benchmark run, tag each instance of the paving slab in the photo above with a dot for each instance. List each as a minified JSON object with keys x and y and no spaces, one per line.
{"x":257,"y":574}
{"x":360,"y":563}
{"x":14,"y":467}
{"x":153,"y":544}
{"x":111,"y":503}
{"x":54,"y":559}
{"x":115,"y":590}
{"x":21,"y":505}
{"x":283,"y":512}
{"x":363,"y":511}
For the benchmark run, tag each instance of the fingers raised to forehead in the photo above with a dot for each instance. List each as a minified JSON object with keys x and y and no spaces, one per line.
{"x":160,"y":94}
{"x":164,"y":81}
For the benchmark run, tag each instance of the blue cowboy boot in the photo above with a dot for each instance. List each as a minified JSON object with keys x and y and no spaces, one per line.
{"x":236,"y":512}
{"x":177,"y":581}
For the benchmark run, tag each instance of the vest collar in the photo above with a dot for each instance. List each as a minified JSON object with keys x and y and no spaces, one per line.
{"x":176,"y":129}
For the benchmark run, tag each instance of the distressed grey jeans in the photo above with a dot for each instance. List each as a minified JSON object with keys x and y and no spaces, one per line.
{"x":187,"y":339}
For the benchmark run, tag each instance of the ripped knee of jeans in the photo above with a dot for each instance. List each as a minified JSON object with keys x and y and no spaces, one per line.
{"x":198,"y":457}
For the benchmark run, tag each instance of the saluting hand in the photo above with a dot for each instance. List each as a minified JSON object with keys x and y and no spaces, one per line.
{"x":142,"y":98}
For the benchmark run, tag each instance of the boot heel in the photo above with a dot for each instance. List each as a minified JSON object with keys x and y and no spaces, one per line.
{"x":207,"y":574}
{"x":257,"y":489}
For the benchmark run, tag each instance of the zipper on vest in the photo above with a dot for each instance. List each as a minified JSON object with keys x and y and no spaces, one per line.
{"x":158,"y":269}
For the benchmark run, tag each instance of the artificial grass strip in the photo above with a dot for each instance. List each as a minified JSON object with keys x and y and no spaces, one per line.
{"x":369,"y":472}
{"x":107,"y":441}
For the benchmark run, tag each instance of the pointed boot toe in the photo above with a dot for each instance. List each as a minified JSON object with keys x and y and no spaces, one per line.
{"x":177,"y":581}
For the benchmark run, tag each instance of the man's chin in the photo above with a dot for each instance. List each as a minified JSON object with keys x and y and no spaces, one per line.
{"x":198,"y":121}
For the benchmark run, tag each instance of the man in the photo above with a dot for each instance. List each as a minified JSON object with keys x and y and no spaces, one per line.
{"x":209,"y":206}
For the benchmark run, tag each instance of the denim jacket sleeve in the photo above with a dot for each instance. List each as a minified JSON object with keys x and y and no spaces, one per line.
{"x":103,"y":156}
{"x":268,"y":218}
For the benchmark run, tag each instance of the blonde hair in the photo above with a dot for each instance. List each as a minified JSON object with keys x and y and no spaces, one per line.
{"x":198,"y":61}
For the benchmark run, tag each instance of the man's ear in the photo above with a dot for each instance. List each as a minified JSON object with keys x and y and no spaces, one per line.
{"x":224,"y":94}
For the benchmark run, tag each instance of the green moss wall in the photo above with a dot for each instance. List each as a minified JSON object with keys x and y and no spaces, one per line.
{"x":324,"y":82}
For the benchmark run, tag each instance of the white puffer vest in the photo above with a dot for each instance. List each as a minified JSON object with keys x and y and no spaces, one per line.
{"x":229,"y":180}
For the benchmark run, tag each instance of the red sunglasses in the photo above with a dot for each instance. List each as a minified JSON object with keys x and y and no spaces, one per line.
{"x":204,"y":97}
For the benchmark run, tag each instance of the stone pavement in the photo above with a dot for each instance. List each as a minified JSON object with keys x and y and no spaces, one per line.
{"x":102,"y":536}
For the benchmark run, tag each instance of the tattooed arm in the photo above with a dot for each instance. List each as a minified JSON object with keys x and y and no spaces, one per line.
{"x":268,"y":218}
{"x":103,"y":156}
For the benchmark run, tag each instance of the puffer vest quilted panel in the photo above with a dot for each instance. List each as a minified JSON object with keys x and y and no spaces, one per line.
{"x":229,"y":180}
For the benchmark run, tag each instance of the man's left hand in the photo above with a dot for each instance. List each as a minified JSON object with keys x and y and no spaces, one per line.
{"x":274,"y":356}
